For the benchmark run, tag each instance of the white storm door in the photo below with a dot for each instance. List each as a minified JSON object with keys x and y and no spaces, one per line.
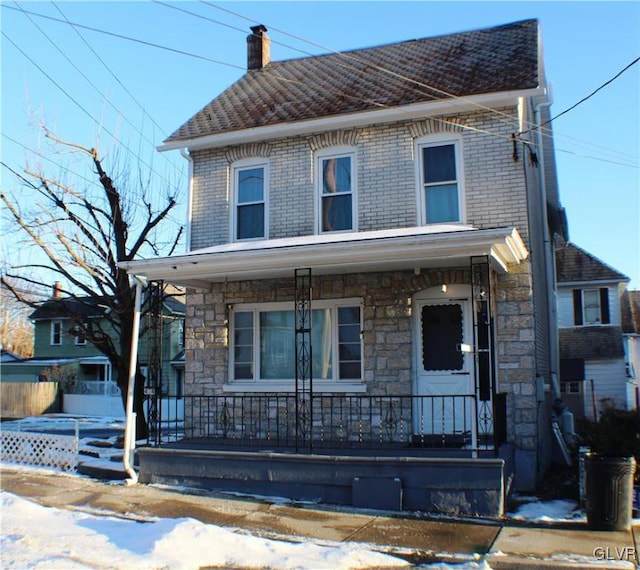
{"x":444,"y":382}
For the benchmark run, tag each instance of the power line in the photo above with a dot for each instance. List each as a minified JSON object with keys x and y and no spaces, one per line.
{"x":130,"y":39}
{"x":544,"y":132}
{"x":381,"y":105}
{"x":100,"y":92}
{"x":37,"y":153}
{"x":80,"y":106}
{"x":140,"y":106}
{"x":591,"y":94}
{"x":67,"y":169}
{"x":601,"y":159}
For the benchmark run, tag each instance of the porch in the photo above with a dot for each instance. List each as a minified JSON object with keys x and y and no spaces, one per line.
{"x":419,"y":453}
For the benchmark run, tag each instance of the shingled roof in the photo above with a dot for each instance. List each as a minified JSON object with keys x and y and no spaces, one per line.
{"x":498,"y":59}
{"x":575,"y":265}
{"x":630,"y":311}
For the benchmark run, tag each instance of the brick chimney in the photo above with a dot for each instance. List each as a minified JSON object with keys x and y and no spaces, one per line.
{"x":258,"y":48}
{"x":57,"y":290}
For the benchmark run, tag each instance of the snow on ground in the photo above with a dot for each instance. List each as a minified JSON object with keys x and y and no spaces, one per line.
{"x":558,"y":510}
{"x":63,"y":422}
{"x":40,"y":537}
{"x":45,"y":538}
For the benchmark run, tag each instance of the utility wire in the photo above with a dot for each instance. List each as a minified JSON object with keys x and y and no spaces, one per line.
{"x":590,"y":94}
{"x":99,"y":91}
{"x":104,"y":64}
{"x":544,"y":132}
{"x":63,"y":90}
{"x":130,"y":39}
{"x":62,"y":167}
{"x":381,"y":105}
{"x":37,"y":153}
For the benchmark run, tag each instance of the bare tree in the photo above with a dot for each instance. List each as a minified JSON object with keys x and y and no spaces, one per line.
{"x":16,"y":332}
{"x":81,"y":235}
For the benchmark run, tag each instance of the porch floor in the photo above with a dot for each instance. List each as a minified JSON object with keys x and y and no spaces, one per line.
{"x":417,"y":449}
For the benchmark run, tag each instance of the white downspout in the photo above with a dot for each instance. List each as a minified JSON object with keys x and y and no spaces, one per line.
{"x":130,"y":426}
{"x":185,"y":153}
{"x":549,"y":255}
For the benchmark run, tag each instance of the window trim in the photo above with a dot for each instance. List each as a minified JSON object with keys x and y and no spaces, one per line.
{"x":56,"y":324}
{"x":79,"y":339}
{"x":236,"y":168}
{"x":256,"y":384}
{"x":579,"y":307}
{"x":440,"y":139}
{"x":320,"y":156}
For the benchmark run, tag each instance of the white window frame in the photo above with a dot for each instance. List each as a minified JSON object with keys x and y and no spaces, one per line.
{"x":57,"y":324}
{"x":585,"y":321}
{"x":236,"y":168}
{"x":328,"y":153}
{"x":256,"y":384}
{"x":441,"y":139}
{"x":79,"y":339}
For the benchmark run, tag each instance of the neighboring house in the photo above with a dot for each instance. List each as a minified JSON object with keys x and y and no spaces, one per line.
{"x":63,"y":355}
{"x":630,"y":304}
{"x":370,"y":265}
{"x":7,"y":369}
{"x":592,"y":354}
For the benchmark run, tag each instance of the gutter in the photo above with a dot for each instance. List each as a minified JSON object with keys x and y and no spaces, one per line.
{"x":130,"y":426}
{"x":353,"y":120}
{"x":185,"y":154}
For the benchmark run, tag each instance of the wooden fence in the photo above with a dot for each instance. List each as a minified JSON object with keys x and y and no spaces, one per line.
{"x":21,"y":399}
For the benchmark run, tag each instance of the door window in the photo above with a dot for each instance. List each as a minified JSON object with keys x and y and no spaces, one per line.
{"x":441,"y":337}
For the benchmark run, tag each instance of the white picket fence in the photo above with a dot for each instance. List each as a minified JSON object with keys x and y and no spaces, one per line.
{"x":42,"y":449}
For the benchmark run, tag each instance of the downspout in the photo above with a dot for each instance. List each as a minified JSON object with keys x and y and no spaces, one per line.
{"x":549,"y":255}
{"x":185,"y":153}
{"x":130,"y":426}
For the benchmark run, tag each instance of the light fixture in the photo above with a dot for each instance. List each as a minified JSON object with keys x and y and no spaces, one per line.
{"x":443,"y":287}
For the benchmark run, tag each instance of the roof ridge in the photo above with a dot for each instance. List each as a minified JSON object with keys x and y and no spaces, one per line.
{"x":398,"y":43}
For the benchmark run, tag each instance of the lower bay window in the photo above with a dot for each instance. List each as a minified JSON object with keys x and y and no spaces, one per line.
{"x":263,"y":345}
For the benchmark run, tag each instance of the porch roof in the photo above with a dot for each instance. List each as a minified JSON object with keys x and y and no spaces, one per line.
{"x":352,"y":252}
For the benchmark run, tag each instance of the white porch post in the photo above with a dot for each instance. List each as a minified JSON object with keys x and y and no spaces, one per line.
{"x":130,"y":426}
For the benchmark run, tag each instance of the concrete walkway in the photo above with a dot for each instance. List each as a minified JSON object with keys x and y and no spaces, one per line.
{"x":504,"y":545}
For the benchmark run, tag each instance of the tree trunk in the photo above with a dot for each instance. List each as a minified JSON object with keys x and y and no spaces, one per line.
{"x":142,"y":428}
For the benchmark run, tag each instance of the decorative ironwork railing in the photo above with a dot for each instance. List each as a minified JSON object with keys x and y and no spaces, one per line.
{"x":339,"y":420}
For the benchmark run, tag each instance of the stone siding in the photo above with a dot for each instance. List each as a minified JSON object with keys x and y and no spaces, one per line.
{"x":388,"y":350}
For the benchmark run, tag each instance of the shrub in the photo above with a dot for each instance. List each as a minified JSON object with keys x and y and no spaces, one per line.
{"x":616,"y":433}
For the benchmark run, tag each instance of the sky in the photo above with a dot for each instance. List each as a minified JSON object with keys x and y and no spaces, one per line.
{"x":34,"y":536}
{"x":90,"y":85}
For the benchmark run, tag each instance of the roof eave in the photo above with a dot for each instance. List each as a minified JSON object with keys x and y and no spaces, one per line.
{"x":503,"y":246}
{"x":353,"y":120}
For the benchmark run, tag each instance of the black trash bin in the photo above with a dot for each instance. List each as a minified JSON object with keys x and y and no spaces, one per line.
{"x":609,"y":491}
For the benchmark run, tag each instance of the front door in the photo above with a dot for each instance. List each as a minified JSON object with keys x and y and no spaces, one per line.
{"x":444,"y":387}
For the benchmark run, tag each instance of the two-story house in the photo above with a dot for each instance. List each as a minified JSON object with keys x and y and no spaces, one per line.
{"x":370,"y":267}
{"x":63,"y":354}
{"x":630,"y":302}
{"x":593,"y":371}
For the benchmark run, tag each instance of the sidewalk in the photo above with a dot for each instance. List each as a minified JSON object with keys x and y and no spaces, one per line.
{"x":504,"y":545}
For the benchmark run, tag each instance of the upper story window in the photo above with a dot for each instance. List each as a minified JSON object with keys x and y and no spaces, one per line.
{"x":56,"y":332}
{"x":440,"y":175}
{"x":249,"y":216}
{"x":591,"y":306}
{"x":336,"y":191}
{"x":79,"y":336}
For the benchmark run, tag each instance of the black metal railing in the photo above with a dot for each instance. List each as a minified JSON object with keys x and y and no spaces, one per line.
{"x":339,"y":421}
